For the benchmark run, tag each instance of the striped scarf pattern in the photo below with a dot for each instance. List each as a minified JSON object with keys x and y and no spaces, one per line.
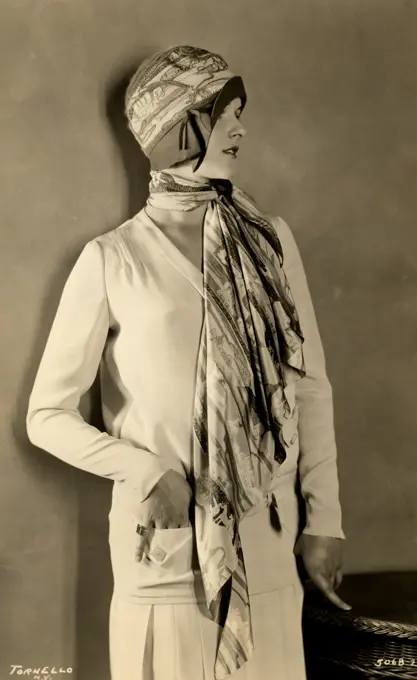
{"x":250,"y":352}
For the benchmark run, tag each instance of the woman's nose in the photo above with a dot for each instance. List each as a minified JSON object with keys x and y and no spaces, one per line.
{"x":238,"y":130}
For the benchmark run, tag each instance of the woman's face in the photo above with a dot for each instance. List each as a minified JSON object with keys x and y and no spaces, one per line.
{"x":223,"y":147}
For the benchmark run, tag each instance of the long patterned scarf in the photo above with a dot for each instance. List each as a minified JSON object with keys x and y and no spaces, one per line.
{"x":250,"y":352}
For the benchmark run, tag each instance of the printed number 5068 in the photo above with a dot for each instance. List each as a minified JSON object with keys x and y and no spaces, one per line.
{"x":395,"y":662}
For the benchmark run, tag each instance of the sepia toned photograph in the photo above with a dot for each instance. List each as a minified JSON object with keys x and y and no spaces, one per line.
{"x":209,"y":340}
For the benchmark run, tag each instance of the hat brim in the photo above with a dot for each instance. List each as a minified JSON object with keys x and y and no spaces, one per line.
{"x":233,"y":89}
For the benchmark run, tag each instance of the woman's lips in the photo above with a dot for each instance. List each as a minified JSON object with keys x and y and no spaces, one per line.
{"x":232,"y":151}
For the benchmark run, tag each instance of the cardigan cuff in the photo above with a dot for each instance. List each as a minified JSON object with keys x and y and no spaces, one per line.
{"x":324,"y":522}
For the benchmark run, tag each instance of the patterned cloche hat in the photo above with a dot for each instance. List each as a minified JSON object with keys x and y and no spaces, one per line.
{"x":163,"y":94}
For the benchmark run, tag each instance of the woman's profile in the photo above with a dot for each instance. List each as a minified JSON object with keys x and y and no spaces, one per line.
{"x":215,"y":399}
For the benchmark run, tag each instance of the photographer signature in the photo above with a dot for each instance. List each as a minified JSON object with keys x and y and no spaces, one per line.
{"x":40,"y":673}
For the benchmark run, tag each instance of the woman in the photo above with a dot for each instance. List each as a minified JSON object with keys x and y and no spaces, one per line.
{"x":214,"y":395}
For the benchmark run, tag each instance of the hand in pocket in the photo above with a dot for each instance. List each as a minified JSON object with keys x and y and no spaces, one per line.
{"x":167,"y":507}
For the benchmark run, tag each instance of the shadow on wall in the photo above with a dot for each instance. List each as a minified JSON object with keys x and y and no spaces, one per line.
{"x":94,"y":578}
{"x":46,"y":471}
{"x":135,"y":163}
{"x":94,"y":570}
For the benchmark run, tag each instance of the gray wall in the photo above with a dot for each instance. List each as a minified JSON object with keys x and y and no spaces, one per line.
{"x":332,"y":149}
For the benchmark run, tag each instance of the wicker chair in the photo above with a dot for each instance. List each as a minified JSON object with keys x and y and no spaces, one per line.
{"x":376,"y":639}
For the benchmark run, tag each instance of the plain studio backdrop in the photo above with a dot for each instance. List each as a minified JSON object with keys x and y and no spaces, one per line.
{"x":331,"y":148}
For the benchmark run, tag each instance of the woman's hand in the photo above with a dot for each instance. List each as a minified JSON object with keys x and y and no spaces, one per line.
{"x":166,"y":507}
{"x":322,"y":557}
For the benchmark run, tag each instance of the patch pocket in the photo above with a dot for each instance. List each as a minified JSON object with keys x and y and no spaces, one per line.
{"x":268,"y":553}
{"x":171,"y":550}
{"x":168,"y":557}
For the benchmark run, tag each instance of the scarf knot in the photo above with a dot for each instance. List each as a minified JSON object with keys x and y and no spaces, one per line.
{"x":224,"y":189}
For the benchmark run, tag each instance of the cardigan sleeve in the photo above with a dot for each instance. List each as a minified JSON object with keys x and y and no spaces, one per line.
{"x":318,"y":453}
{"x":67,"y":370}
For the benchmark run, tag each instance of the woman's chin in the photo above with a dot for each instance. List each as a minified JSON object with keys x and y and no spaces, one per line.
{"x":219,"y":171}
{"x":228,"y":169}
{"x":225,"y":173}
{"x":229,"y":174}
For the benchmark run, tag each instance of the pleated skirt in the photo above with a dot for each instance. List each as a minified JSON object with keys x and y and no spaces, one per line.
{"x":178,"y":641}
{"x":159,"y":625}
